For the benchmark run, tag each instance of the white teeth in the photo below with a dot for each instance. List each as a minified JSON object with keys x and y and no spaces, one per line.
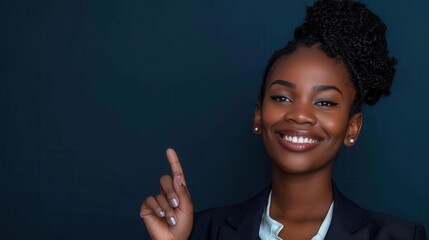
{"x":296,"y":139}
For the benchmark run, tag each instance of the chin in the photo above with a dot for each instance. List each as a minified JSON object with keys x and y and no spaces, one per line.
{"x":294,"y":168}
{"x":296,"y":164}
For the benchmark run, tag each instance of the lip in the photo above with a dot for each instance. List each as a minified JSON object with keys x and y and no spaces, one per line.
{"x":303,"y":141}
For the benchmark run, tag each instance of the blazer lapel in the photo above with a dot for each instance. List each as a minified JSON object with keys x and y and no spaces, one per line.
{"x":245,"y":221}
{"x":346,"y":219}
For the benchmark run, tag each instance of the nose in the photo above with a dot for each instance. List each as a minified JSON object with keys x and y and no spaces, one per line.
{"x":301,"y":113}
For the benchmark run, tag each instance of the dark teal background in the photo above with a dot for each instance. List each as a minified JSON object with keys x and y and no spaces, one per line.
{"x":93,"y":92}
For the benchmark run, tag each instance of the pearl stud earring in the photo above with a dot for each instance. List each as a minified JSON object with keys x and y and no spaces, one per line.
{"x":256,"y":129}
{"x":351,"y":141}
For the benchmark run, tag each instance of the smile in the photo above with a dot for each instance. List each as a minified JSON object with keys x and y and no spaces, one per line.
{"x":297,"y":141}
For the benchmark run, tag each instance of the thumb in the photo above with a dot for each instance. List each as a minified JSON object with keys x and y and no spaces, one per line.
{"x":179,"y":182}
{"x":183,"y":194}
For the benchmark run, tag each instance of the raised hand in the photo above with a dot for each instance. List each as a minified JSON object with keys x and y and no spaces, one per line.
{"x":170,"y":214}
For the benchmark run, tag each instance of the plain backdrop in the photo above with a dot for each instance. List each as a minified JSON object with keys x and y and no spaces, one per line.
{"x":93,"y":92}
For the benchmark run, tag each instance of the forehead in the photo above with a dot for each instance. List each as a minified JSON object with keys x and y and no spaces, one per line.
{"x":310,"y":66}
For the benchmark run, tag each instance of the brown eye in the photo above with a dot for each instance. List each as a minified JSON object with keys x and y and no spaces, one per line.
{"x":279,"y":98}
{"x":326,"y":104}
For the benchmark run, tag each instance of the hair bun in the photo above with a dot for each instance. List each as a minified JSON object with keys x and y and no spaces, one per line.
{"x":347,"y":30}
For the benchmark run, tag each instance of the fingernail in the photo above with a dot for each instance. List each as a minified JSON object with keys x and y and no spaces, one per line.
{"x":179,"y":181}
{"x":171,"y":221}
{"x":161,"y":213}
{"x":174,"y":203}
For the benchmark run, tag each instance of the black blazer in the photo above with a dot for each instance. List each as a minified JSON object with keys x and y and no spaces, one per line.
{"x":349,"y":221}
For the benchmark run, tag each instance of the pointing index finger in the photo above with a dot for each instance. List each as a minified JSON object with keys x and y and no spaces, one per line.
{"x":176,"y":168}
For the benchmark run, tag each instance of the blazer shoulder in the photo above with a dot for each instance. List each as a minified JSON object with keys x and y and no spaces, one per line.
{"x":350,"y":221}
{"x":396,"y":228}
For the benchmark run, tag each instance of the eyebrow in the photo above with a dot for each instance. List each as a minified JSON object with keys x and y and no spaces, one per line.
{"x":284,"y":83}
{"x":325,"y":88}
{"x":318,"y":88}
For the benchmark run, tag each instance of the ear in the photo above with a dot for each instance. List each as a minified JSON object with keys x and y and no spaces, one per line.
{"x":257,"y":119}
{"x":353,"y":130}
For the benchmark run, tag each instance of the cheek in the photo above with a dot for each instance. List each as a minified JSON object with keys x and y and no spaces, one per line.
{"x":335,"y":126}
{"x":271,"y":115}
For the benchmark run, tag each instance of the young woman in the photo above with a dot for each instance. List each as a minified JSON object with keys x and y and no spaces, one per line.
{"x":309,"y":106}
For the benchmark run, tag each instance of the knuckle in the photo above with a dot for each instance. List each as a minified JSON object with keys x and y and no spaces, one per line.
{"x":143,"y":213}
{"x":165,"y":181}
{"x":167,"y":191}
{"x":169,"y":213}
{"x":160,"y":198}
{"x":148,"y":201}
{"x":165,"y":178}
{"x":170,"y":193}
{"x":163,"y":202}
{"x":147,"y":206}
{"x":177,"y":173}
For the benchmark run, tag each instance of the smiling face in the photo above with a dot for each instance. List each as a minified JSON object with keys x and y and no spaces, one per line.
{"x":305,"y":115}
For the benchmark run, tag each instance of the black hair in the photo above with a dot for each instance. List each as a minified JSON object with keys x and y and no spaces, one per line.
{"x":349,"y":32}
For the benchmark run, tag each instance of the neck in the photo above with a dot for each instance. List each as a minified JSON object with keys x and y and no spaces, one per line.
{"x":297,"y":197}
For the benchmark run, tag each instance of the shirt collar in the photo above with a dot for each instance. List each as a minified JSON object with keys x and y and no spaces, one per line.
{"x":270,"y":228}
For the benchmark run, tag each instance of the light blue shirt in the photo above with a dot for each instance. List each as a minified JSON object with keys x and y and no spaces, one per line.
{"x":270,"y":228}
